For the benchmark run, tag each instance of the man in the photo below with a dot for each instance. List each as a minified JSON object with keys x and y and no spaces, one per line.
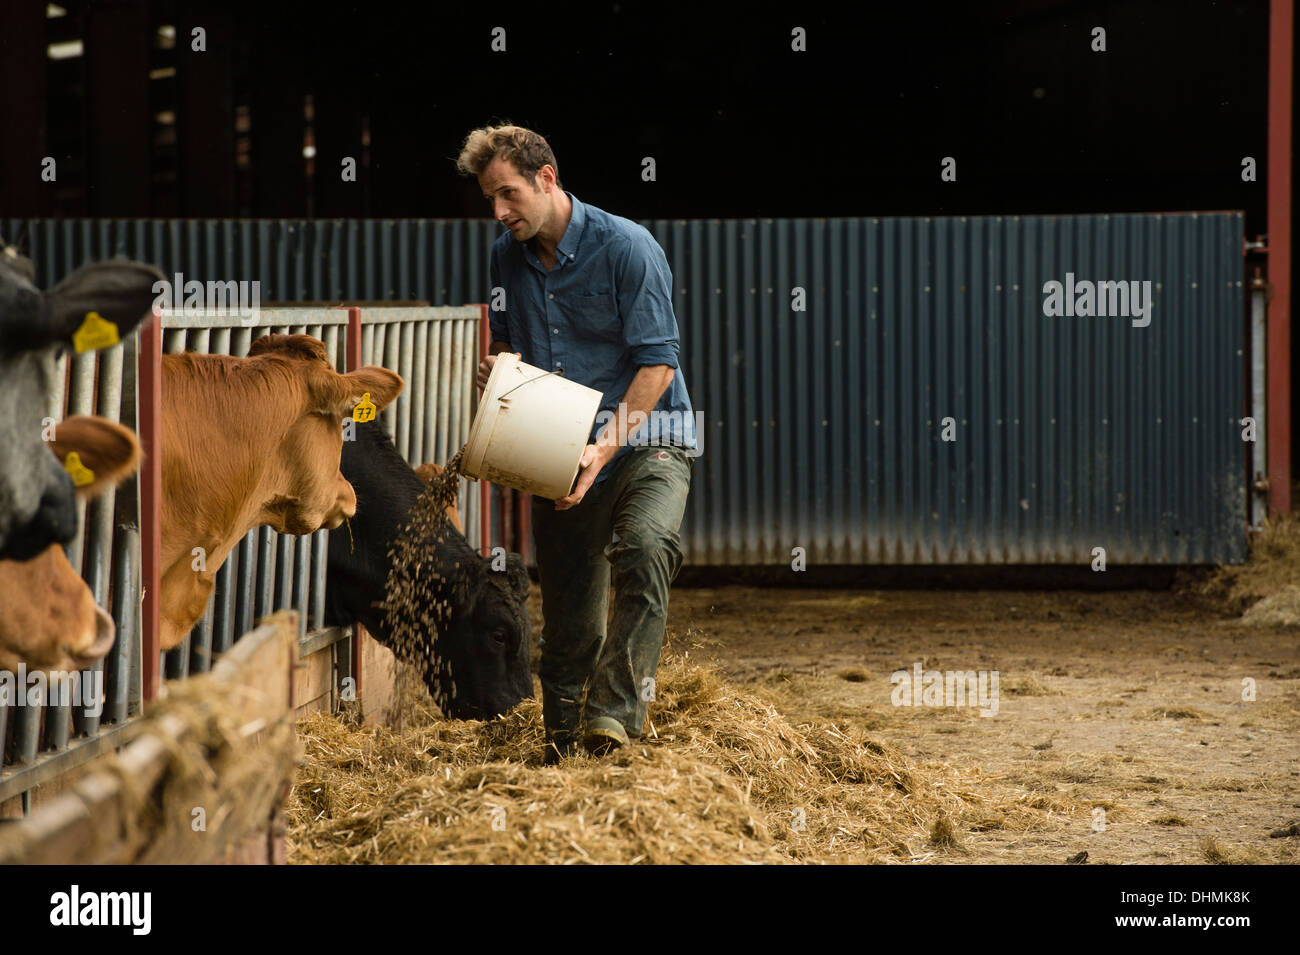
{"x":589,"y":295}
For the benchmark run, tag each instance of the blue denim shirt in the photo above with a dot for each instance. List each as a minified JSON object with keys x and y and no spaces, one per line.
{"x":602,"y":312}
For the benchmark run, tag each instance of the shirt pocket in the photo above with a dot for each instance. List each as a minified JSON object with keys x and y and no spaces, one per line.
{"x":594,"y":316}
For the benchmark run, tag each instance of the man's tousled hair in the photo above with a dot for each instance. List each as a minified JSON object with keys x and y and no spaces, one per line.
{"x":524,"y":149}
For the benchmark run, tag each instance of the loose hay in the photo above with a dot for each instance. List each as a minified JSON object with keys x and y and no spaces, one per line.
{"x":1217,"y":854}
{"x":1173,"y":712}
{"x":1029,"y":685}
{"x":1281,"y":609}
{"x":719,"y":777}
{"x":1269,"y":582}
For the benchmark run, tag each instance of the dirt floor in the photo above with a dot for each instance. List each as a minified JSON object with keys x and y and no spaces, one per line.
{"x":1126,"y":702}
{"x":1123,"y":711}
{"x":1126,"y":726}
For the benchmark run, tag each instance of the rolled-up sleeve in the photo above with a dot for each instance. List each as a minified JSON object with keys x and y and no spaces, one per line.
{"x":498,"y":323}
{"x":645,"y":288}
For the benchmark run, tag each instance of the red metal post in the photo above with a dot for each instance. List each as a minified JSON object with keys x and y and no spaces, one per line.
{"x":352,"y":361}
{"x":1281,"y":22}
{"x":149,"y":409}
{"x":524,"y":526}
{"x":353,"y":357}
{"x":485,"y":516}
{"x":506,"y":508}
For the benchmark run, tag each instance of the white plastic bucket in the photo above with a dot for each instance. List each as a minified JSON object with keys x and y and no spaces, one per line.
{"x":530,"y":429}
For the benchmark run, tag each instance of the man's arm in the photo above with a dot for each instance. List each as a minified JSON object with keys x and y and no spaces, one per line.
{"x":644,"y":288}
{"x":647,"y":387}
{"x":642,"y":396}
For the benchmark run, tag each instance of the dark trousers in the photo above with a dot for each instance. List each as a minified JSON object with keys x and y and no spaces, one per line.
{"x":624,"y":529}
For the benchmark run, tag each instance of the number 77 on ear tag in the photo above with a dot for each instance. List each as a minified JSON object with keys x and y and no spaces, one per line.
{"x":365,"y":410}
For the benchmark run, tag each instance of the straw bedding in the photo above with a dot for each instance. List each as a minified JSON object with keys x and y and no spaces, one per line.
{"x":1265,"y":589}
{"x":720,"y":776}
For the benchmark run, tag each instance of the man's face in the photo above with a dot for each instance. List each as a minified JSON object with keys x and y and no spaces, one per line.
{"x":522,"y":206}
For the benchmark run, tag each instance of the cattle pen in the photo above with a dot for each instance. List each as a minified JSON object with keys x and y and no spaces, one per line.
{"x":608,"y":434}
{"x":50,"y":746}
{"x":824,"y":449}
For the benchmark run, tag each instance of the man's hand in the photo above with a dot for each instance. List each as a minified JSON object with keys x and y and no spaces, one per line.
{"x":485,"y":369}
{"x":593,"y":459}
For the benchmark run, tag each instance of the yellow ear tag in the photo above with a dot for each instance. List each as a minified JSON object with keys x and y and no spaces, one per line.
{"x":365,"y":410}
{"x":80,"y":474}
{"x":95,"y":332}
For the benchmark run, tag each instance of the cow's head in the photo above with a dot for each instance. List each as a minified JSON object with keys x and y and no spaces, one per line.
{"x":482,"y":667}
{"x":48,"y":617}
{"x":36,"y":496}
{"x":309,"y":453}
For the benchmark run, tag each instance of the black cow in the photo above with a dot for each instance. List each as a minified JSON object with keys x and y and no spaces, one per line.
{"x":484,"y":637}
{"x":37,"y":507}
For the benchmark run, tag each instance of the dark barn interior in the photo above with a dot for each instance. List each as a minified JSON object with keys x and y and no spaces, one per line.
{"x":140,"y":123}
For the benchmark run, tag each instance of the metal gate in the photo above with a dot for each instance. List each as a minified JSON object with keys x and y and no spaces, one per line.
{"x":435,"y":351}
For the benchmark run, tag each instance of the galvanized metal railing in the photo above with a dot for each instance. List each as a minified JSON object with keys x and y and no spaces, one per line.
{"x":435,"y":350}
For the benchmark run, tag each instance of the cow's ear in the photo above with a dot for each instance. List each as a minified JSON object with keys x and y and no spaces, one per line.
{"x":345,"y":391}
{"x":11,"y":257}
{"x":469,"y":584}
{"x":107,"y":453}
{"x":120,"y":291}
{"x":518,"y":574}
{"x":24,"y":323}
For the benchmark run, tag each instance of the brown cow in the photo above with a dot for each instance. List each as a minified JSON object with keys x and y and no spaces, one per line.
{"x":426,"y":472}
{"x":49,"y":620}
{"x":249,"y":442}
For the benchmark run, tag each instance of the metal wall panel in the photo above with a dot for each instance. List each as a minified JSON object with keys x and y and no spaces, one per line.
{"x":822,"y":427}
{"x":439,"y":261}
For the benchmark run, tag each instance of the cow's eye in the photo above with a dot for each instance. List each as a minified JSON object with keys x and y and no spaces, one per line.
{"x":499,"y":636}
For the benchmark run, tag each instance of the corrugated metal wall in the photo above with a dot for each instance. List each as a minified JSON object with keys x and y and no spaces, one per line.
{"x":441,"y":261}
{"x":822,"y":428}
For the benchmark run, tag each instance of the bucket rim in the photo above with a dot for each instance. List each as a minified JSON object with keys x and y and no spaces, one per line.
{"x":475,"y":446}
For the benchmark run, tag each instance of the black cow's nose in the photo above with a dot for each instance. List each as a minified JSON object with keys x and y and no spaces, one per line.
{"x":55,"y":522}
